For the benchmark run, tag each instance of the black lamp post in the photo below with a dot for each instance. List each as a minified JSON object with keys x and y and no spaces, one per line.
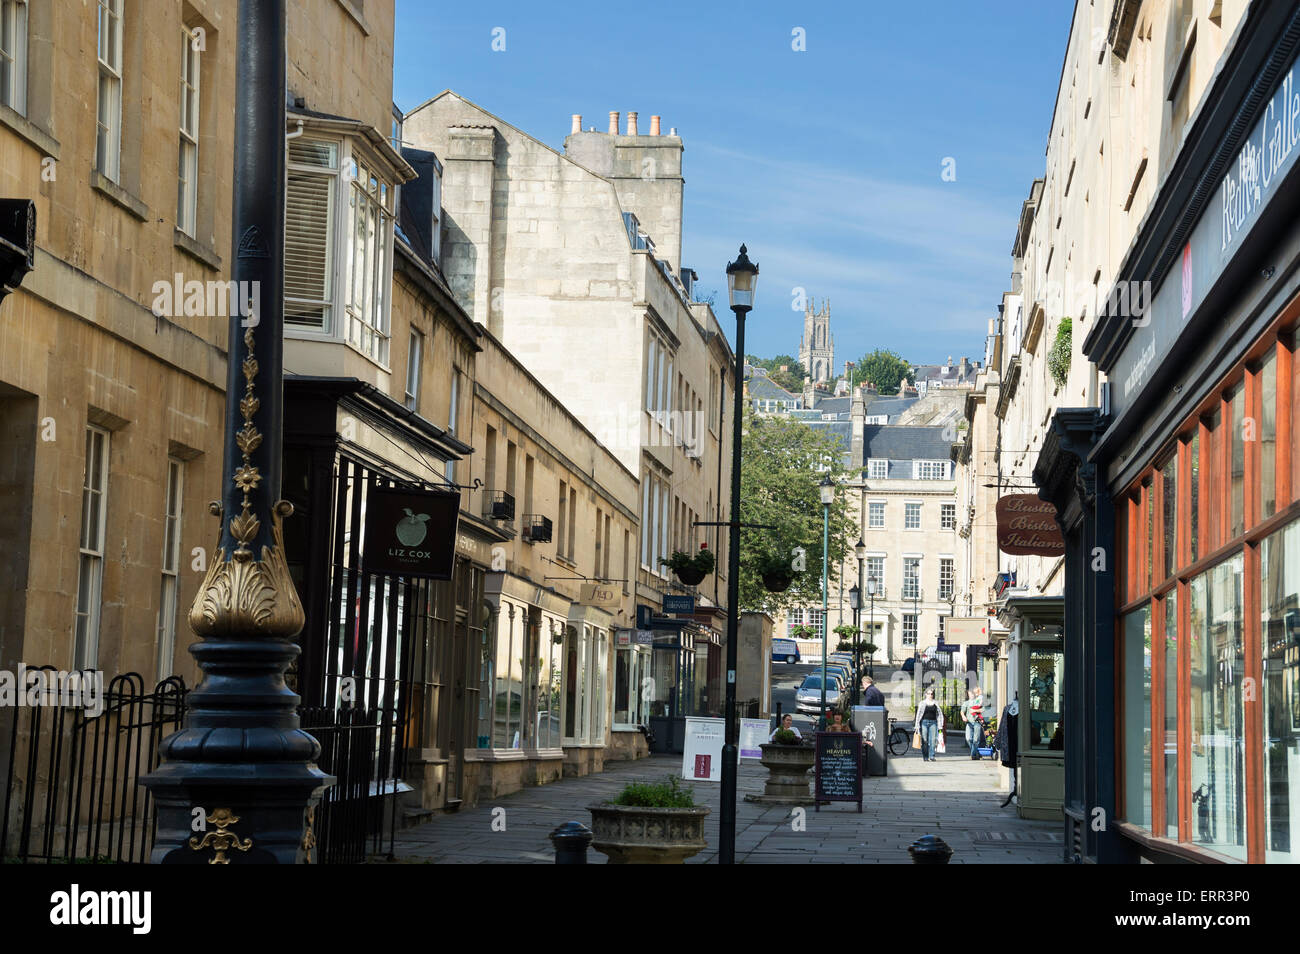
{"x":855,"y":603}
{"x":742,"y":280}
{"x":242,"y":765}
{"x":872,"y":589}
{"x":827,"y":490}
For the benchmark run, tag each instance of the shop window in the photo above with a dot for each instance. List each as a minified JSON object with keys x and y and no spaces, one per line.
{"x":1169,"y":515}
{"x":1194,"y":497}
{"x":1217,"y":752}
{"x":1046,"y":668}
{"x":1149,"y":521}
{"x":1137,"y":712}
{"x":1280,"y":642}
{"x":631,"y":680}
{"x":1171,"y":714}
{"x":550,"y":673}
{"x":576,"y":674}
{"x":1214,"y":489}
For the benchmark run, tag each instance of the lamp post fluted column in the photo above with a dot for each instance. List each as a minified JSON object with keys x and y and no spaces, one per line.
{"x":238,"y":783}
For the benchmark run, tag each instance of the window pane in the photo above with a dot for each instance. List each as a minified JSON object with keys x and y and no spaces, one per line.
{"x":1214,"y":487}
{"x":1268,"y":435}
{"x":1137,"y":712}
{"x":1046,"y":700}
{"x":1193,"y":492}
{"x":1237,"y":475}
{"x":1148,"y":493}
{"x":1169,"y":473}
{"x":1171,"y":714}
{"x":1280,"y":640}
{"x":1217,"y":752}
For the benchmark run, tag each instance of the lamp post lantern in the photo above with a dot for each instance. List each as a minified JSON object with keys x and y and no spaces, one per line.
{"x":827,"y":488}
{"x":742,"y":281}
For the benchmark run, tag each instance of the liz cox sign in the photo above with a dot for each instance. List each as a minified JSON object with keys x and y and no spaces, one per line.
{"x":1027,"y":526}
{"x":411,"y":532}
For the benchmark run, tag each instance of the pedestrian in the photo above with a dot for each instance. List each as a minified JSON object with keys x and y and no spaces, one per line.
{"x":835,"y":723}
{"x":975,"y":727}
{"x":929,"y":723}
{"x":968,"y":721}
{"x":787,"y":723}
{"x":871,"y":695}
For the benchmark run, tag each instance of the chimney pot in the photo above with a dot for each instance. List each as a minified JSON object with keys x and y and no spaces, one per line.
{"x":631,"y":124}
{"x":577,"y":123}
{"x":654,"y":125}
{"x":613,"y":122}
{"x":673,"y":131}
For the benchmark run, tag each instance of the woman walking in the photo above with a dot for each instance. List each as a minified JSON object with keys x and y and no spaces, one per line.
{"x":929,"y":723}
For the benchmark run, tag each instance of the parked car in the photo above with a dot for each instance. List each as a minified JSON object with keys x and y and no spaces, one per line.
{"x":785,"y":650}
{"x":839,"y":669}
{"x":808,"y":697}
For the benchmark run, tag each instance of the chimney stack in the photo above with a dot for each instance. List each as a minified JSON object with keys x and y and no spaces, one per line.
{"x":631,"y":124}
{"x":654,"y":125}
{"x":613,"y":123}
{"x":577,"y":123}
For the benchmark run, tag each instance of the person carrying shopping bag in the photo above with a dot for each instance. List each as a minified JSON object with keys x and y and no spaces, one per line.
{"x":929,"y":726}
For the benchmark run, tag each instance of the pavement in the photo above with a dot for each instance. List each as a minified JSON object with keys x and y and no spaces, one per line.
{"x":955,"y":798}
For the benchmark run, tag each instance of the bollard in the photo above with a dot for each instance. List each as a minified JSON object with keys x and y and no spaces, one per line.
{"x":929,"y":850}
{"x":571,"y":841}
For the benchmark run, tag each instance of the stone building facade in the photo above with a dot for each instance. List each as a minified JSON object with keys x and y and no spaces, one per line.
{"x":817,"y":344}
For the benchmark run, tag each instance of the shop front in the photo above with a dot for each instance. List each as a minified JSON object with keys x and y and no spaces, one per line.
{"x":1181,"y":499}
{"x":1036,"y":683}
{"x":684,"y":680}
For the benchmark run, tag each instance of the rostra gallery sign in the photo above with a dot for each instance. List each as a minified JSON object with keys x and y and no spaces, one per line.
{"x":411,"y":532}
{"x":1027,"y":526}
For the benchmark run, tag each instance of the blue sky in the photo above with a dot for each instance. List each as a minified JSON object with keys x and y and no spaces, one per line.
{"x":827,"y":162}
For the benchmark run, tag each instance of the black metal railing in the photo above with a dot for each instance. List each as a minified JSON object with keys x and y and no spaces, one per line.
{"x":72,"y":791}
{"x":498,"y":505}
{"x":536,"y":528}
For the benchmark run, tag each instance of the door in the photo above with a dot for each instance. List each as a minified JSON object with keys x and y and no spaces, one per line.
{"x":1041,"y":726}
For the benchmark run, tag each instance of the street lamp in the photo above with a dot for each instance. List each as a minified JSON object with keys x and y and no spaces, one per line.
{"x":873,"y":587}
{"x":742,"y":281}
{"x":855,"y":601}
{"x":827,"y":487}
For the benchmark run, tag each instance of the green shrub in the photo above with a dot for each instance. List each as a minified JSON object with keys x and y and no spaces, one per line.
{"x":666,"y":794}
{"x":1058,"y":359}
{"x":785,"y":737}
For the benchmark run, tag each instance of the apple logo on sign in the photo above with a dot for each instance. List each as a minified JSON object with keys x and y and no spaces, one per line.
{"x":411,"y":529}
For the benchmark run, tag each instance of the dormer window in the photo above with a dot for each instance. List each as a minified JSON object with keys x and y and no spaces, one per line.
{"x":338,"y":246}
{"x":930,"y":469}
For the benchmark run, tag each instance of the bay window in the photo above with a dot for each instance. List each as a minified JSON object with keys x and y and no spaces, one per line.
{"x":631,"y":670}
{"x":338,"y":245}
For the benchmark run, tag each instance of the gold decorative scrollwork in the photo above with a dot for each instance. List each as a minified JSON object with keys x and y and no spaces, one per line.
{"x":221,"y":840}
{"x":308,"y":836}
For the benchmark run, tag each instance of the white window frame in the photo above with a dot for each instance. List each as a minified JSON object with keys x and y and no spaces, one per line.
{"x":358,"y":296}
{"x":877,"y":469}
{"x":874,"y":507}
{"x":930,"y":469}
{"x":173,"y":495}
{"x":919,"y":510}
{"x":568,"y":735}
{"x":108,"y":98}
{"x":916,"y":628}
{"x":638,"y":663}
{"x":414,"y":368}
{"x":913,"y":593}
{"x":947,"y":516}
{"x":949,"y":564}
{"x":880,"y":577}
{"x":13,"y":57}
{"x":328,"y":328}
{"x":187,"y":172}
{"x":90,"y":563}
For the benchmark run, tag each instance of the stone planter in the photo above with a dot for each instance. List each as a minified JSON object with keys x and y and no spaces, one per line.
{"x":787,"y":779}
{"x":630,"y":835}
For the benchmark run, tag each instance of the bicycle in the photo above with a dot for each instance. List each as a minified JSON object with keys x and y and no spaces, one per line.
{"x":900,"y":740}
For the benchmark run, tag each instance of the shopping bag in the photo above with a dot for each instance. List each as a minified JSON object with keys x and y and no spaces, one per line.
{"x":943,"y":747}
{"x":916,"y":739}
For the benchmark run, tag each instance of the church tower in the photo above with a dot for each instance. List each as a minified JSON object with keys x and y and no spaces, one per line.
{"x":817,"y":347}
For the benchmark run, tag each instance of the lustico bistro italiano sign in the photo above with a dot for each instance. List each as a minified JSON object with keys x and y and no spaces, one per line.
{"x":1027,"y":527}
{"x":411,"y":532}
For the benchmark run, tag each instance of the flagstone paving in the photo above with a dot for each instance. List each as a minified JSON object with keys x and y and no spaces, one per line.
{"x":955,"y":798}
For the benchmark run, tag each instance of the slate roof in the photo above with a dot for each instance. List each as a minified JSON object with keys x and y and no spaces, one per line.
{"x":843,"y":430}
{"x":892,"y":407}
{"x":761,"y":386}
{"x":895,"y":442}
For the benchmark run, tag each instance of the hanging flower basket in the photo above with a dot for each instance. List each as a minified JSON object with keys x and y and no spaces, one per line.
{"x":776,"y":571}
{"x":691,"y":569}
{"x":778,"y":581}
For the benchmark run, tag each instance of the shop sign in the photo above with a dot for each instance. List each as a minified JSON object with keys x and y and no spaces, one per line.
{"x":1253,"y":177}
{"x":1027,"y":526}
{"x":645,"y":637}
{"x":600,"y":595}
{"x":679,"y":604}
{"x":837,"y":768}
{"x":967,"y":631}
{"x":411,"y":532}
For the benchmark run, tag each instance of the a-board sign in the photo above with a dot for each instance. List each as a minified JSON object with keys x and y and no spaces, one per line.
{"x":702,"y":753}
{"x":838,"y":768}
{"x":753,"y":733}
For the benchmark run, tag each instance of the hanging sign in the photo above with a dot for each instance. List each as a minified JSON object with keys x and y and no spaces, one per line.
{"x":1027,"y":526}
{"x":677,"y":604}
{"x":600,"y":595}
{"x":967,"y":631}
{"x":411,"y":532}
